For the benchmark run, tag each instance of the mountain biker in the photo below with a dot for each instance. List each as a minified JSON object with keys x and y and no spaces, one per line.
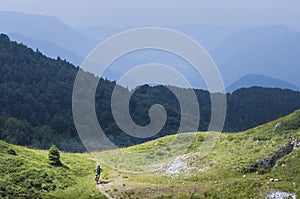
{"x":98,"y":172}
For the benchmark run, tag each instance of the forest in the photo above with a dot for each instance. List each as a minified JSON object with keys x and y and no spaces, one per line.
{"x":36,"y":103}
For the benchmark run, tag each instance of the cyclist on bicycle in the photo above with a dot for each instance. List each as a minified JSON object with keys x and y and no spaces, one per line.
{"x":98,"y":171}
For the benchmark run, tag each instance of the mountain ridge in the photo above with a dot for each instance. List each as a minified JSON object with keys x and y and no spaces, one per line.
{"x":36,"y":98}
{"x":269,"y":51}
{"x":237,"y":51}
{"x":252,"y":80}
{"x":47,"y":48}
{"x":37,"y":27}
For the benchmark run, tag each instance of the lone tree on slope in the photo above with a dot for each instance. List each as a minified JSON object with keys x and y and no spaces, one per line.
{"x":54,"y":156}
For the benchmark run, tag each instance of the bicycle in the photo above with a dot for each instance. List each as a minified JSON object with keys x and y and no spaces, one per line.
{"x":97,"y":177}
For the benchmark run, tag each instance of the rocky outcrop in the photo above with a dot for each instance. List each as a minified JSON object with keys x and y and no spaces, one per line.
{"x":180,"y":165}
{"x":277,"y":126}
{"x":270,"y":160}
{"x":295,"y":142}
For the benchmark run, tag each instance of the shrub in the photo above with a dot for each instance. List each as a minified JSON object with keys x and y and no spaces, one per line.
{"x":54,"y":156}
{"x":11,"y":152}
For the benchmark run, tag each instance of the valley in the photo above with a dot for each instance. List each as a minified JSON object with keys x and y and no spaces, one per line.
{"x":173,"y":100}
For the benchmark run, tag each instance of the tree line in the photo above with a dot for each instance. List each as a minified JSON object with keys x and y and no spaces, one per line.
{"x":36,"y":103}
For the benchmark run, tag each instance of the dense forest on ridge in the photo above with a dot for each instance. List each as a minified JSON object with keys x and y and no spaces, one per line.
{"x":36,"y":103}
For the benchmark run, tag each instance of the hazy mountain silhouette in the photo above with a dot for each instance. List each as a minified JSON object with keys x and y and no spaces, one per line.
{"x":45,"y":28}
{"x":47,"y":48}
{"x":207,"y":35}
{"x":271,"y":51}
{"x":259,"y":80}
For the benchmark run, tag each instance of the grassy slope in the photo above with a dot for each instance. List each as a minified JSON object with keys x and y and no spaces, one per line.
{"x":28,"y":174}
{"x":218,"y":175}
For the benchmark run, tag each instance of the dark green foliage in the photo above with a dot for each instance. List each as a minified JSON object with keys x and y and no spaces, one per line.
{"x":35,"y":98}
{"x":54,"y":156}
{"x":251,"y":107}
{"x":11,"y":152}
{"x":7,"y":150}
{"x":36,"y":103}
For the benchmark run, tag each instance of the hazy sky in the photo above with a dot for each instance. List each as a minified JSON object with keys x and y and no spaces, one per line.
{"x":79,"y":13}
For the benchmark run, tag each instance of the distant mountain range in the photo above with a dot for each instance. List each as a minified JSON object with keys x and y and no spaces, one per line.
{"x":51,"y":33}
{"x":270,"y":51}
{"x":48,"y":48}
{"x":208,"y":36}
{"x":238,"y":51}
{"x":259,"y":80}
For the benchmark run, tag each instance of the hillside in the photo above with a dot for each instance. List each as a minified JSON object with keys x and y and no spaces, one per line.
{"x":36,"y":98}
{"x":26,"y":173}
{"x":252,"y":164}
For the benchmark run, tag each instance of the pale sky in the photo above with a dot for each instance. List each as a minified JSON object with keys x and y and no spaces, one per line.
{"x":80,"y":13}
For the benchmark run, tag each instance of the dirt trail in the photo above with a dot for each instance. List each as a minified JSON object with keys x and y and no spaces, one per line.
{"x":100,"y":187}
{"x":117,"y":187}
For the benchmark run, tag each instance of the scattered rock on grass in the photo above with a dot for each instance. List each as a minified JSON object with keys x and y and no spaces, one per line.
{"x":181,"y":164}
{"x":280,"y":195}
